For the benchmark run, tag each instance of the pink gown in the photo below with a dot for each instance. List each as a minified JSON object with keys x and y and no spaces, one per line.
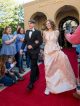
{"x":58,"y":71}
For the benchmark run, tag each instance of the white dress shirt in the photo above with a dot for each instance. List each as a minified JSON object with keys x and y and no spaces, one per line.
{"x":30,"y":33}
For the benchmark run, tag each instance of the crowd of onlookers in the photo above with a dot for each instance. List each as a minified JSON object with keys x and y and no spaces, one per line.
{"x":8,"y":74}
{"x":10,"y":56}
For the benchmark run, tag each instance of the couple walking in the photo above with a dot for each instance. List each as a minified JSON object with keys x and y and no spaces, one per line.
{"x":58,"y":71}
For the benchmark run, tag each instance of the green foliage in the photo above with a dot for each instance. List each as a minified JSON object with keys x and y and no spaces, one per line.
{"x":0,"y":41}
{"x":10,"y":14}
{"x":6,"y":12}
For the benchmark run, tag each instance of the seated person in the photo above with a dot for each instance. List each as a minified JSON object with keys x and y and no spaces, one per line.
{"x":4,"y":79}
{"x":10,"y":64}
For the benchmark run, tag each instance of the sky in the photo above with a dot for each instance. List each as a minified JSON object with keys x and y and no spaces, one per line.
{"x":23,"y":1}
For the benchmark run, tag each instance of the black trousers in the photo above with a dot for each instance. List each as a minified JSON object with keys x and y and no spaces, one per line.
{"x":34,"y":68}
{"x":17,"y":58}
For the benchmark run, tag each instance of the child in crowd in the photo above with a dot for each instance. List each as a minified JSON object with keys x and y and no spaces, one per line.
{"x":19,"y":41}
{"x":10,"y":64}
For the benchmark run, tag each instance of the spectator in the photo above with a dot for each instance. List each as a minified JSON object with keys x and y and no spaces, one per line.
{"x":8,"y":42}
{"x":18,"y":26}
{"x":10,"y":64}
{"x":4,"y":79}
{"x":19,"y":41}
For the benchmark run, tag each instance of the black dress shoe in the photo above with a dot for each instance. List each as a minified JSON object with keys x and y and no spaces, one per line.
{"x":30,"y":86}
{"x":20,"y":71}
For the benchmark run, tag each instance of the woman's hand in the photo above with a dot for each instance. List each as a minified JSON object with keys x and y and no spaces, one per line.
{"x":22,"y":40}
{"x":61,"y":47}
{"x":11,"y":73}
{"x":11,"y":40}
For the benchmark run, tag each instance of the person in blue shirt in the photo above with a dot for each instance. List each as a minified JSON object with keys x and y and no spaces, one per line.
{"x":8,"y":42}
{"x":18,"y":26}
{"x":19,"y":41}
{"x":10,"y":64}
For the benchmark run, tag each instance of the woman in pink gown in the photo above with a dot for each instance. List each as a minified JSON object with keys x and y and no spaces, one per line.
{"x":75,"y":37}
{"x":58,"y":71}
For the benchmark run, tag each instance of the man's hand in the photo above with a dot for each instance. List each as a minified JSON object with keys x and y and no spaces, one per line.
{"x":61,"y":47}
{"x":30,"y":47}
{"x":36,"y":41}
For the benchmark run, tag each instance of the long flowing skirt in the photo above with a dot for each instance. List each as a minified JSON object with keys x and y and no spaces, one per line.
{"x":58,"y":72}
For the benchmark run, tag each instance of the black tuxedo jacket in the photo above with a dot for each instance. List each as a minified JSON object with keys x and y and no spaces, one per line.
{"x":36,"y":35}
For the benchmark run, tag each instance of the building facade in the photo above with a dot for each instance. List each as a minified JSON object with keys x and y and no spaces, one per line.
{"x":58,"y":10}
{"x":65,"y":14}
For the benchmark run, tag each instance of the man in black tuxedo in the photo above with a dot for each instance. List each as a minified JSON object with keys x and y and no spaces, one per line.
{"x":33,"y":40}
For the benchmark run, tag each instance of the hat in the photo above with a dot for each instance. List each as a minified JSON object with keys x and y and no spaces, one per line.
{"x":32,"y":21}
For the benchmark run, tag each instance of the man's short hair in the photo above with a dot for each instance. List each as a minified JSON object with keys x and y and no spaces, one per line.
{"x":32,"y":21}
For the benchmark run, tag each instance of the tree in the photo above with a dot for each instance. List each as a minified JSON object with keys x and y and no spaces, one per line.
{"x":6,"y":11}
{"x":10,"y":14}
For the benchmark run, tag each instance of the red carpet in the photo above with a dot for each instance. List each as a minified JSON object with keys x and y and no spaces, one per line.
{"x":71,"y":53}
{"x":17,"y":95}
